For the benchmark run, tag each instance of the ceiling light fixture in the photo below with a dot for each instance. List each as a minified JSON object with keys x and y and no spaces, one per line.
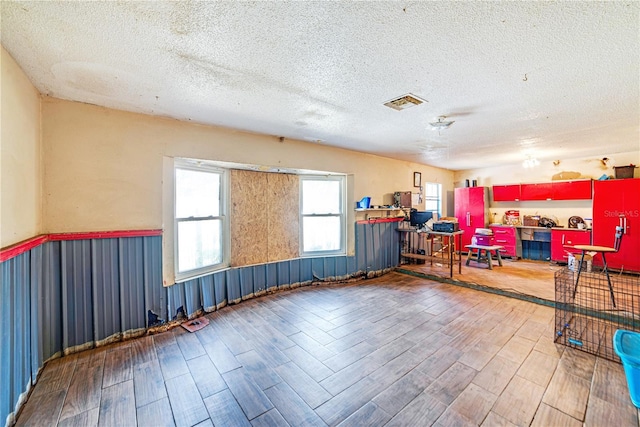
{"x":530,"y":162}
{"x":441,"y":123}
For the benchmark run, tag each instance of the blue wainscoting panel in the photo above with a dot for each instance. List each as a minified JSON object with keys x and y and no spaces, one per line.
{"x":293,"y":270}
{"x":154,"y":291}
{"x":272,"y":275}
{"x":207,"y":290}
{"x":22,"y":326}
{"x":176,"y":300}
{"x":193,"y":297}
{"x":245,"y":275}
{"x":361,"y":248}
{"x":284,"y":273}
{"x":49,"y":305}
{"x":377,"y":246}
{"x":15,"y":334}
{"x":105,"y":280}
{"x":133,"y":313}
{"x":342,"y":266}
{"x":77,"y":303}
{"x":259,"y":279}
{"x":7,"y":284}
{"x":234,"y":292}
{"x":220,"y":285}
{"x":306,"y":269}
{"x":36,"y":302}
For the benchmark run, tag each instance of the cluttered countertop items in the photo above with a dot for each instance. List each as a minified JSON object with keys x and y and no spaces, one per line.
{"x":512,"y":218}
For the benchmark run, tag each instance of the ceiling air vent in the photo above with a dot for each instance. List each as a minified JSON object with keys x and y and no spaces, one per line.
{"x":404,"y":102}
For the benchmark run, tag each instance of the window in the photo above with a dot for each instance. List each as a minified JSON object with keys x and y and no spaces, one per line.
{"x":322,"y":217}
{"x":433,"y":197}
{"x":201,"y":226}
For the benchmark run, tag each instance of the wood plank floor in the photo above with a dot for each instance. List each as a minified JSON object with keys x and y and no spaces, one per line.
{"x":396,"y":351}
{"x":534,"y":278}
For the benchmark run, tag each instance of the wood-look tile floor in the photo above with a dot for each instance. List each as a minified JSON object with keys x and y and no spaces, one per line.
{"x":534,"y":278}
{"x":396,"y":351}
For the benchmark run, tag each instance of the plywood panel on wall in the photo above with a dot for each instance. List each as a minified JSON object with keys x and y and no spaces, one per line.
{"x":264,"y":217}
{"x":248,"y":218}
{"x":283,"y":209}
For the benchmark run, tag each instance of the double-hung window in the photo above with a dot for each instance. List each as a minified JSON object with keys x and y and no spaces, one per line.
{"x":322,"y":215}
{"x":201,"y":223}
{"x":433,"y":197}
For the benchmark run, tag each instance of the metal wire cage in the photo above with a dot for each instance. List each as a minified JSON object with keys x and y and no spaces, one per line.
{"x":589,"y":312}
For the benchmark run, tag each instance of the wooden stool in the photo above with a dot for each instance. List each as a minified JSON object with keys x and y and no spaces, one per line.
{"x":486,"y":258}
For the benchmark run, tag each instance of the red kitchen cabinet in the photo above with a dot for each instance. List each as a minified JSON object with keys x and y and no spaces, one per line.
{"x":506,"y":193}
{"x":617,"y":202}
{"x":563,"y":239}
{"x":472,"y":211}
{"x":507,"y":236}
{"x":541,"y":191}
{"x":571,"y":190}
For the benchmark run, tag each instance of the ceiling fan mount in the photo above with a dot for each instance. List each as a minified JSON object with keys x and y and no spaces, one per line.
{"x":442,"y":123}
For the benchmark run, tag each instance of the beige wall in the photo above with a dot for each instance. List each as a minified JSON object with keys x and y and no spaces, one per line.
{"x":104,"y":169}
{"x":590,"y":167}
{"x":20,"y":167}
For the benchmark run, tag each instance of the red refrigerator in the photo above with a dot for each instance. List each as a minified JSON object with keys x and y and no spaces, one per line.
{"x":472,"y":211}
{"x":617,"y":202}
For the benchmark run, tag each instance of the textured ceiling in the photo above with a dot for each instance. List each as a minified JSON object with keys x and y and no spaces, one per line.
{"x":556,"y":79}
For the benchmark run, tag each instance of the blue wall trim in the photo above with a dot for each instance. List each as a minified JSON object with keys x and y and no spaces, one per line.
{"x":65,"y":296}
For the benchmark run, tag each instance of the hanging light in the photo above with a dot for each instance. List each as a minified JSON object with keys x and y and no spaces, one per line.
{"x":530,"y":162}
{"x":441,"y":123}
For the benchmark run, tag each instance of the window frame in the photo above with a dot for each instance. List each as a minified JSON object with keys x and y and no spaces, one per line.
{"x":342,"y":215}
{"x":223,"y":216}
{"x":438,"y":199}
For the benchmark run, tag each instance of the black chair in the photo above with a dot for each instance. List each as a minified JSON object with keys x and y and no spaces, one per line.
{"x":600,"y":250}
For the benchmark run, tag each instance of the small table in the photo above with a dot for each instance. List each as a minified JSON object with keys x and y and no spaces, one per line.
{"x":486,"y":258}
{"x":453,"y":248}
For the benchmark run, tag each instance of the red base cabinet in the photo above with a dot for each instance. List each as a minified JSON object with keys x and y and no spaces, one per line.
{"x":472,"y":211}
{"x":563,"y":239}
{"x":617,"y":202}
{"x":507,"y":236}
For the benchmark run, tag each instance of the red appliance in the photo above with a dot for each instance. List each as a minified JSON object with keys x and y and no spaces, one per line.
{"x":617,"y":202}
{"x":472,"y":211}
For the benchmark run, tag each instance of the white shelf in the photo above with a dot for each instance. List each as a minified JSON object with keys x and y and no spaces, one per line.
{"x":390,"y":212}
{"x":380,"y":209}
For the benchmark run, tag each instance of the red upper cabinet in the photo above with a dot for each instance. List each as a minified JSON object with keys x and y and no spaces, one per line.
{"x":506,"y":193}
{"x":541,"y":191}
{"x":617,"y":202}
{"x":472,"y":210}
{"x":571,"y":190}
{"x":557,"y":190}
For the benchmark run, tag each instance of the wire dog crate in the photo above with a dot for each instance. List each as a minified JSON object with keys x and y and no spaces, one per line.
{"x":589,"y":312}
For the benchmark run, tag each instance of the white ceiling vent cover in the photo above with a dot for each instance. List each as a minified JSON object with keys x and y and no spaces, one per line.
{"x":404,"y":102}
